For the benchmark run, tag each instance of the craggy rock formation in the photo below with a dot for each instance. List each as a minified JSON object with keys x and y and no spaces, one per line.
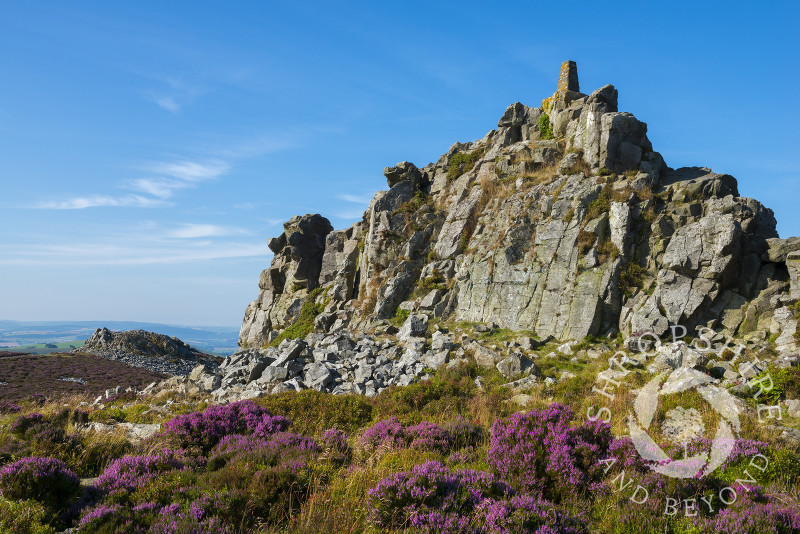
{"x":563,"y":221}
{"x":139,"y":348}
{"x":295,"y":271}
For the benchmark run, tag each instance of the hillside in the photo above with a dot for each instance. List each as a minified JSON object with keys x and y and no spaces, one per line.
{"x":546,"y":331}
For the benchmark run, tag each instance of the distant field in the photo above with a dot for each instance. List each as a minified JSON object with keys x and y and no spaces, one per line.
{"x":58,"y":375}
{"x":33,"y":337}
{"x":47,"y":348}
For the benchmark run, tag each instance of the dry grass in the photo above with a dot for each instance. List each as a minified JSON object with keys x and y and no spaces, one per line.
{"x":545,"y":175}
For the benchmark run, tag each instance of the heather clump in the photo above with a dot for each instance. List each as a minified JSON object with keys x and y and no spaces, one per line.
{"x":150,"y":518}
{"x":25,"y":422}
{"x":204,"y":429}
{"x":540,"y":452}
{"x":9,"y":407}
{"x":432,"y":498}
{"x":387,"y":434}
{"x":132,"y":472}
{"x":335,"y":439}
{"x":424,"y":436}
{"x":45,"y":480}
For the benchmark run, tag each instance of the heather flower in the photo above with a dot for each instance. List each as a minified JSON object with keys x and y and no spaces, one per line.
{"x":756,"y":512}
{"x":335,"y":439}
{"x":431,"y":498}
{"x":9,"y":407}
{"x":45,"y":480}
{"x":388,"y":434}
{"x":133,"y":472}
{"x":524,"y":513}
{"x":284,"y":448}
{"x":205,"y":429}
{"x":464,"y":433}
{"x":540,"y":453}
{"x":22,"y":423}
{"x":172,"y":521}
{"x":98,"y":513}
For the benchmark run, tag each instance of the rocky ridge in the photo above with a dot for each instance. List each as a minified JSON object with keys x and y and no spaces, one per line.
{"x":563,"y":222}
{"x":139,"y":348}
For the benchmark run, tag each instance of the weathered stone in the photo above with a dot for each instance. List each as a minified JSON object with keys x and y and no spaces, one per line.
{"x":403,"y":171}
{"x":431,"y":299}
{"x":521,"y":246}
{"x":779,"y":249}
{"x":793,"y":266}
{"x":415,"y":326}
{"x":483,"y":356}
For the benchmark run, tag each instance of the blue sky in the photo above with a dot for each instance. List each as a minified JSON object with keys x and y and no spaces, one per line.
{"x":149,"y":149}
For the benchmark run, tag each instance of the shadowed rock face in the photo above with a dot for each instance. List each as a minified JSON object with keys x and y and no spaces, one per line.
{"x":589,"y":232}
{"x":295,"y":270}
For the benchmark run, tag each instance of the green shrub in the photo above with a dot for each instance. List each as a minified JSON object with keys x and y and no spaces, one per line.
{"x":607,"y":251}
{"x":411,"y":206}
{"x":604,"y":171}
{"x":545,"y":128}
{"x":462,"y":162}
{"x":631,"y":278}
{"x":600,"y":205}
{"x":23,"y":517}
{"x":312,"y":412}
{"x":785,"y":385}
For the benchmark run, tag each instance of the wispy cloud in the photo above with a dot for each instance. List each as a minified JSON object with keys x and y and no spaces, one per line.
{"x":99,"y":254}
{"x":175,"y":95}
{"x":172,"y":176}
{"x":77,"y":203}
{"x":149,"y":243}
{"x":194,"y":231}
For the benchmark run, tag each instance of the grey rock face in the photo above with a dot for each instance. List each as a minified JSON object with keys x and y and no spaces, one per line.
{"x":585,"y":234}
{"x":779,"y":249}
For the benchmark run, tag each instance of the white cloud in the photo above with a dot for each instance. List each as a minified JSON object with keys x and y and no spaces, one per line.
{"x":193,"y":231}
{"x":171,"y":176}
{"x":190,"y":171}
{"x":157,"y":187}
{"x":77,"y":203}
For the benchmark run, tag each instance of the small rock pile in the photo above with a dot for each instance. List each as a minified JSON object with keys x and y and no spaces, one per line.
{"x":148,"y":350}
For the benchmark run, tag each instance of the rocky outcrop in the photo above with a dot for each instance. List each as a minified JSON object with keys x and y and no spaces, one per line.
{"x":139,"y":348}
{"x":563,"y":221}
{"x":295,"y":270}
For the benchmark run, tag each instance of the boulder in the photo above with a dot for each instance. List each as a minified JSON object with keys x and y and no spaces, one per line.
{"x":415,"y":326}
{"x":403,"y":172}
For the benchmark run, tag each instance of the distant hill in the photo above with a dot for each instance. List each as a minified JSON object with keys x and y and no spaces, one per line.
{"x":16,"y":335}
